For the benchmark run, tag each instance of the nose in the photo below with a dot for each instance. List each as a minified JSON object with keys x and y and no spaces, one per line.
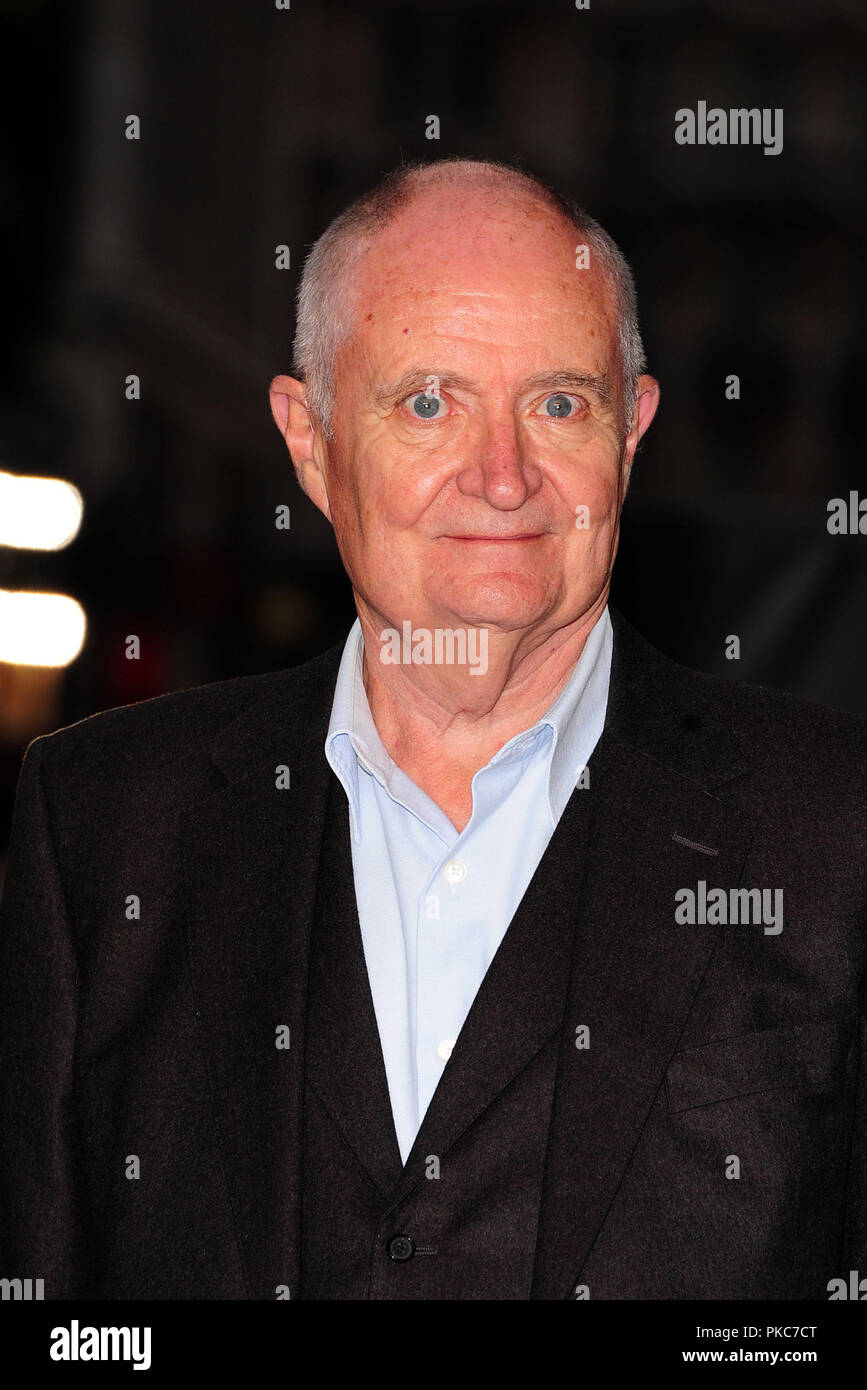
{"x":499,"y":469}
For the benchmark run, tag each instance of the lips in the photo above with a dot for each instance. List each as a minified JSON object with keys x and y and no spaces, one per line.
{"x":498,"y":540}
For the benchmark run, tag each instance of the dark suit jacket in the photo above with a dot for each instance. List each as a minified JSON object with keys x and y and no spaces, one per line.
{"x":152,"y":1036}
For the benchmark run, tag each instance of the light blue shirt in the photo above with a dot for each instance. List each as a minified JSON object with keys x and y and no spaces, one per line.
{"x":433,"y":903}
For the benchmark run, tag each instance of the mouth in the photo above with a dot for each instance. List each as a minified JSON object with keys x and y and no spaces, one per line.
{"x":498,"y":540}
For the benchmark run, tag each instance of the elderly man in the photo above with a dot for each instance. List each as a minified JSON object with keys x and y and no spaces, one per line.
{"x":491,"y":955}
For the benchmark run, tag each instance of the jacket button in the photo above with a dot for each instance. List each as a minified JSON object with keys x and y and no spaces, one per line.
{"x":400,"y":1248}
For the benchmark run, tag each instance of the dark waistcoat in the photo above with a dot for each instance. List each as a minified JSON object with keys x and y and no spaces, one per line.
{"x":460,"y":1220}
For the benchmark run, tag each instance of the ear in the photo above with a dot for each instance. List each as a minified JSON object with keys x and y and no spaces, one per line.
{"x":643,"y":411}
{"x":293,"y":419}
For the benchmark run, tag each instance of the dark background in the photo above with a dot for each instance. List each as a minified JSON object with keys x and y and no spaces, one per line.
{"x":156,"y":257}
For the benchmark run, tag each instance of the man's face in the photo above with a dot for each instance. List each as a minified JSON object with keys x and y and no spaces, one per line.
{"x":477,"y":466}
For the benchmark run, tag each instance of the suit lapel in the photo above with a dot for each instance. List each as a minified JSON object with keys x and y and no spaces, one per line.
{"x":635,"y":971}
{"x":251,"y":852}
{"x":344,"y":1064}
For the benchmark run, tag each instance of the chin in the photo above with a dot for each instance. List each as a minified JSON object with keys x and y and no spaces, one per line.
{"x":505,"y":602}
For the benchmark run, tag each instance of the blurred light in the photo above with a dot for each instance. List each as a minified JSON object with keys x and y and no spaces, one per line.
{"x":29,"y":701}
{"x":38,"y":513}
{"x":40,"y":629}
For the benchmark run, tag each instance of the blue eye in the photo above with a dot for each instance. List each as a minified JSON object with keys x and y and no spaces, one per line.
{"x":424,"y":406}
{"x":559,"y":406}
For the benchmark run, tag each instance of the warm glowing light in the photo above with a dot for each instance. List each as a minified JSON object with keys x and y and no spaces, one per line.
{"x":40,"y":629}
{"x":38,"y":513}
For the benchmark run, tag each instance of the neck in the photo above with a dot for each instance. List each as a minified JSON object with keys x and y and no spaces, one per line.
{"x":441,"y":724}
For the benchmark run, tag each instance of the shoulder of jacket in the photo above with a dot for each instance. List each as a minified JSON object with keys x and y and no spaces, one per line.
{"x":166,"y":727}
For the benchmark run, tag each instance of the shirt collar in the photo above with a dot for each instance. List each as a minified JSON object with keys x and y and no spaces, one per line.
{"x":578,"y":714}
{"x":572,"y":723}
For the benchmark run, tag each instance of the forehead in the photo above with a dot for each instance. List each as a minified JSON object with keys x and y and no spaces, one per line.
{"x":477,"y":267}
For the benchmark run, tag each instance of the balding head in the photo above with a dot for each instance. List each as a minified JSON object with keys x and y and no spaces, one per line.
{"x":440,"y":202}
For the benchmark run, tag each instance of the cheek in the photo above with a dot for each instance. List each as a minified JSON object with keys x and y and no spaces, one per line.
{"x":375,"y":508}
{"x":594,"y":496}
{"x":397,"y":485}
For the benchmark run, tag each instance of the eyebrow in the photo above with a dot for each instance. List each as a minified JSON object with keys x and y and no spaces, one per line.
{"x":567,"y":380}
{"x":564,"y":379}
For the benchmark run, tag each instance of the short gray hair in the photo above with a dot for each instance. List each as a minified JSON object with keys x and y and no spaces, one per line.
{"x":326,"y":305}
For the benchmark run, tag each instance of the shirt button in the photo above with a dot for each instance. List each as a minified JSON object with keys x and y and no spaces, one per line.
{"x":445,"y":1048}
{"x":455,"y":872}
{"x":400,"y":1248}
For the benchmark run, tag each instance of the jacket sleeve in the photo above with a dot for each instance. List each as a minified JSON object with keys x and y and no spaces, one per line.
{"x":42,"y":1228}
